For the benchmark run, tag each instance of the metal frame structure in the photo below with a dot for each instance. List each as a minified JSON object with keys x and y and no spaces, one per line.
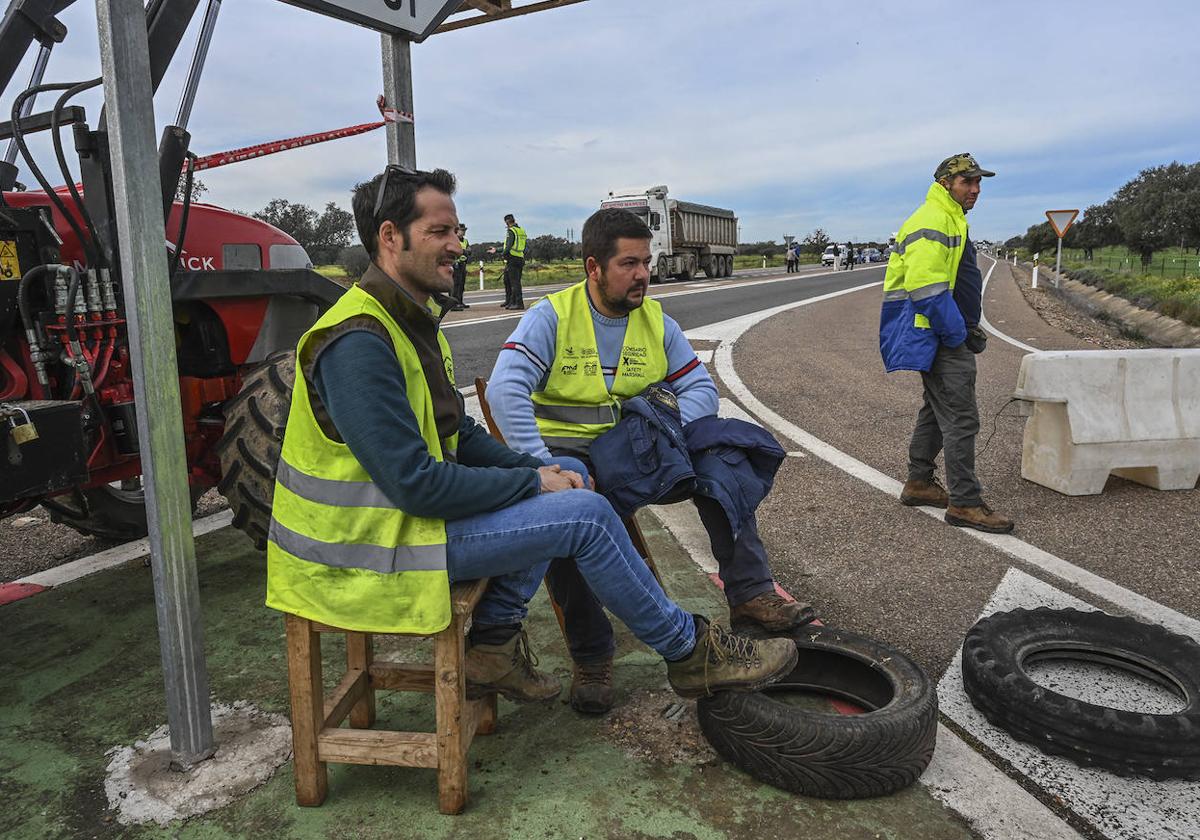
{"x":137,"y":44}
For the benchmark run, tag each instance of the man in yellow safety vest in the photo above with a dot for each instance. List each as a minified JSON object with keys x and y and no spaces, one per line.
{"x":514,"y":263}
{"x":387,"y":491}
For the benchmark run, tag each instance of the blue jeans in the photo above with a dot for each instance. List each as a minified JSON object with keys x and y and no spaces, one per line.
{"x":513,"y":546}
{"x":742,"y":566}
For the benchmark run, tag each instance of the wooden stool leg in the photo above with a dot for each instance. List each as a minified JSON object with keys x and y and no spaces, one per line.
{"x":639,"y":543}
{"x":449,"y":690}
{"x":359,"y":655}
{"x":308,"y":710}
{"x":487,"y":721}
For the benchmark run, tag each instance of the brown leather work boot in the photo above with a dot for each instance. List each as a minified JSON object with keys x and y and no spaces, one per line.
{"x":722,"y":661}
{"x":918,"y":493}
{"x":592,"y":687}
{"x":772,"y":613}
{"x":509,"y":670}
{"x":979,"y":517}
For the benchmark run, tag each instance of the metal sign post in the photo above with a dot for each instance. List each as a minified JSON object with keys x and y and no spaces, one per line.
{"x":1061,"y":221}
{"x":125,"y":59}
{"x":398,"y":91}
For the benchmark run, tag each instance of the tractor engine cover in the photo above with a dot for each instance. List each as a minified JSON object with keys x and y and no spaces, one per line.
{"x":54,"y":460}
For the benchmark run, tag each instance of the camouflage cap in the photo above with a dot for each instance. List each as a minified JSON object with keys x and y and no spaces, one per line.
{"x":960,"y":164}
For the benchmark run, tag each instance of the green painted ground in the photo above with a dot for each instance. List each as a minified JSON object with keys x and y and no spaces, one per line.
{"x":79,"y":674}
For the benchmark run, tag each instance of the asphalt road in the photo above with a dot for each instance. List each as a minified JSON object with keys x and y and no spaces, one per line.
{"x":476,"y":335}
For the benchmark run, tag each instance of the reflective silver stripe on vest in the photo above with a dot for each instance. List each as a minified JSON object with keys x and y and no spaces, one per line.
{"x":930,"y":234}
{"x":575,"y":445}
{"x":376,"y":558}
{"x":327,"y":491}
{"x":582,"y":415}
{"x":929,"y":291}
{"x":895,"y":294}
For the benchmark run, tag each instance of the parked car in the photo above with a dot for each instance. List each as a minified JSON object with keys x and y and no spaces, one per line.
{"x":830,"y":255}
{"x":871,"y":255}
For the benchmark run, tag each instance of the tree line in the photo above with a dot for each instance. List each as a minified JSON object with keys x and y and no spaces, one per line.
{"x":1160,"y":208}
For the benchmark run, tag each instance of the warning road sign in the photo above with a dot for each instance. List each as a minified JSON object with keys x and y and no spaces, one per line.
{"x":1061,"y":220}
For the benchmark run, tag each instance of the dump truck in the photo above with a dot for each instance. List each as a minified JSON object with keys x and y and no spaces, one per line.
{"x":687,"y":237}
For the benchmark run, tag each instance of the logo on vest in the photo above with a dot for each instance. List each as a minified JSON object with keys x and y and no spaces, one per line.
{"x":633,"y":360}
{"x":569,"y":370}
{"x":449,"y":362}
{"x":590,"y":368}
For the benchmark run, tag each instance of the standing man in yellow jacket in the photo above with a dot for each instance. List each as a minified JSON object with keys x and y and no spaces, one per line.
{"x":387,"y":491}
{"x":932,"y":308}
{"x":514,"y":263}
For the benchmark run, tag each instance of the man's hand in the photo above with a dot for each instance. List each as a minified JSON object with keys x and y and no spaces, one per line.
{"x":555,"y":478}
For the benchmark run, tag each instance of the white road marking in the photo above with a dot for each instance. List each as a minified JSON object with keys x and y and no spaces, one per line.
{"x":995,"y":805}
{"x":705,"y":356}
{"x":727,"y":332}
{"x":728,"y":408}
{"x":983,"y":321}
{"x":685,"y":291}
{"x":116,"y":556}
{"x":1116,"y":807}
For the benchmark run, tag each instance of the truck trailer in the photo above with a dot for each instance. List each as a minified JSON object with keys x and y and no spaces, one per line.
{"x":686,"y":237}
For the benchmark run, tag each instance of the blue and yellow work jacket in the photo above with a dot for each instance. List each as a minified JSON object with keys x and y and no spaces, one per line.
{"x":919,"y":312}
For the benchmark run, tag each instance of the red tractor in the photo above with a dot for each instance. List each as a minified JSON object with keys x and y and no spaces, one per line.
{"x":242,"y":291}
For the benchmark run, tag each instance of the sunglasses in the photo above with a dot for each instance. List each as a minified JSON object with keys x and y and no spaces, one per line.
{"x":393,"y":169}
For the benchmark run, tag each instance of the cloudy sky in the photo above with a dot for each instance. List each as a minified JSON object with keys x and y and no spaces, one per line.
{"x":796,"y":114}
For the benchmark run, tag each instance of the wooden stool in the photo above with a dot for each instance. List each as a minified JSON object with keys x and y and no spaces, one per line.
{"x":317,"y":738}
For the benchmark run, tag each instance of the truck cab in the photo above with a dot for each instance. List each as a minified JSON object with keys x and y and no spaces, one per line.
{"x":685,"y":237}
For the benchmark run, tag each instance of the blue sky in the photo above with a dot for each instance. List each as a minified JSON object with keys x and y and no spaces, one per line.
{"x":796,"y":114}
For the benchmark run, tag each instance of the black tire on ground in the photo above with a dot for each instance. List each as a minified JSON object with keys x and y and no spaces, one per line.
{"x":249,"y":449}
{"x":107,"y":512}
{"x":660,"y":275}
{"x":824,"y":754}
{"x":728,"y":266}
{"x":712,"y":267}
{"x":998,"y":648}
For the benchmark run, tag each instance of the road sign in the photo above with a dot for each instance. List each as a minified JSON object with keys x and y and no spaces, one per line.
{"x":1061,"y":220}
{"x":412,"y":19}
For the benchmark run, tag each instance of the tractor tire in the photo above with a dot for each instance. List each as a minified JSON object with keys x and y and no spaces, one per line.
{"x":821,"y":753}
{"x":107,"y":512}
{"x":1127,"y":743}
{"x":249,"y":449}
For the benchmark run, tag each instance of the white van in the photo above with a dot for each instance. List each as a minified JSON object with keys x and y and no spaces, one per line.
{"x":830,"y":255}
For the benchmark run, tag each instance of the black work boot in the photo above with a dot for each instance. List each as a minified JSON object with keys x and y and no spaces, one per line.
{"x":722,"y":661}
{"x":592,"y":687}
{"x":917,"y":493}
{"x":508,"y":669}
{"x":770,"y":612}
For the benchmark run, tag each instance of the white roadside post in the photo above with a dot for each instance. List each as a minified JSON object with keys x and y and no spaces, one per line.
{"x":1061,"y":221}
{"x":481,"y":275}
{"x":1035,"y":268}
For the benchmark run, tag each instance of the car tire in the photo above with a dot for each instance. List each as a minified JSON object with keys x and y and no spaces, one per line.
{"x":825,"y":754}
{"x":1165,"y":746}
{"x":249,"y":450}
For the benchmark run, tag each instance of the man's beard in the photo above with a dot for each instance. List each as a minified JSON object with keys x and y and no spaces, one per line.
{"x":620,"y":304}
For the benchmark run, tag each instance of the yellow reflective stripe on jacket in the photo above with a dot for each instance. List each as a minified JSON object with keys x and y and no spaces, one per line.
{"x":929,"y":247}
{"x":338,"y":550}
{"x":575,"y":405}
{"x":518,"y":246}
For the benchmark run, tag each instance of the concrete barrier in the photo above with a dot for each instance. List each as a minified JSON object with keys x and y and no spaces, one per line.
{"x":1135,"y":413}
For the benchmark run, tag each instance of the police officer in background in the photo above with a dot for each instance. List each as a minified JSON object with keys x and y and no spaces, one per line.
{"x":460,"y":272}
{"x":514,"y":263}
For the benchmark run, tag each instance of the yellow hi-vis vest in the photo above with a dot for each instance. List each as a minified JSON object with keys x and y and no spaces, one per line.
{"x":462,"y":243}
{"x":576,"y":406}
{"x":929,"y":247}
{"x":518,"y":246}
{"x":338,"y":551}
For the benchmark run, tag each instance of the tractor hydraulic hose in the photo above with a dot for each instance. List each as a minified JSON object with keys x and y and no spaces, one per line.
{"x":18,"y":136}
{"x":94,"y":254}
{"x":183,"y":214}
{"x":83,"y":369}
{"x":35,"y":348}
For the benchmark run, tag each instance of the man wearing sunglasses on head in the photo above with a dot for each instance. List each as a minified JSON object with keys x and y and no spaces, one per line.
{"x":387,"y":491}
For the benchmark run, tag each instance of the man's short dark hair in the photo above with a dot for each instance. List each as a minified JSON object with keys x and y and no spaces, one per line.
{"x":604,"y":227}
{"x":399,"y":203}
{"x":510,"y":218}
